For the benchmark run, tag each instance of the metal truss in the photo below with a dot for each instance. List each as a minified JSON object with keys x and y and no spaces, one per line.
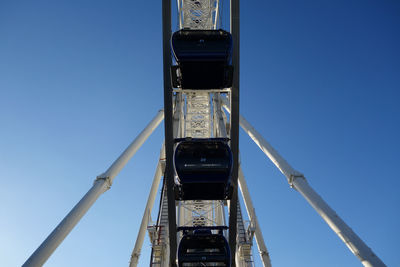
{"x":193,"y":116}
{"x":201,"y":116}
{"x":198,"y":14}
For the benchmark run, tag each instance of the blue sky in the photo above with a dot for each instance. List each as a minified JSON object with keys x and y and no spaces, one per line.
{"x":80,"y":79}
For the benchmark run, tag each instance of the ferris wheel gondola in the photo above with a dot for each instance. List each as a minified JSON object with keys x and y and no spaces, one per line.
{"x":203,"y":247}
{"x":203,"y":168}
{"x":203,"y":58}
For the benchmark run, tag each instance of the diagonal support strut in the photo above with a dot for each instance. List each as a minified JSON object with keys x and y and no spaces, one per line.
{"x":297,"y":181}
{"x":102,"y":183}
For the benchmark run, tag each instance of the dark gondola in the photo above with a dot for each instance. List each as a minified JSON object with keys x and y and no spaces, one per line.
{"x":203,"y":58}
{"x":204,"y":168}
{"x":201,"y":247}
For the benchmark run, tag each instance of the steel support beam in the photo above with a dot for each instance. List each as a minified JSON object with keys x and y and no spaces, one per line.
{"x":147,"y":211}
{"x":168,"y":126}
{"x":299,"y":183}
{"x":262,"y":248}
{"x":234,"y":118}
{"x":102,"y":183}
{"x":345,"y":233}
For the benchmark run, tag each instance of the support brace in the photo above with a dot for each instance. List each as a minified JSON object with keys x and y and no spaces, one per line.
{"x":298,"y":182}
{"x":147,"y":212}
{"x":262,"y":248}
{"x":101,"y":184}
{"x":293,"y":177}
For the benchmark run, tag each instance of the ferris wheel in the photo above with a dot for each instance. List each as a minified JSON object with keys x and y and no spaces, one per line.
{"x":200,"y":219}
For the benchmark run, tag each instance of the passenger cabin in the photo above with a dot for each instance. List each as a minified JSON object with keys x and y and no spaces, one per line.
{"x":203,"y":58}
{"x":201,"y":247}
{"x":204,"y":168}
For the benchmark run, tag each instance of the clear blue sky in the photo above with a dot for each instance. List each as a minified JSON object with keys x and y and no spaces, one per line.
{"x":80,"y":79}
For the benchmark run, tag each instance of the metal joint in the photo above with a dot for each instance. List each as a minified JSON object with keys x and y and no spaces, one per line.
{"x":135,"y":255}
{"x":264,"y":253}
{"x":107,"y":180}
{"x":293,"y":177}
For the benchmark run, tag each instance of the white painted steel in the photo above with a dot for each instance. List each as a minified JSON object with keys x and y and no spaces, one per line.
{"x":101,"y":184}
{"x":220,"y":120}
{"x":244,"y":242}
{"x":216,"y":17}
{"x":118,"y":164}
{"x":177,"y":116}
{"x":271,"y":153}
{"x":146,"y":214}
{"x":182,"y":117}
{"x":345,"y":233}
{"x":159,"y":234}
{"x":262,"y":248}
{"x":298,"y":182}
{"x":40,"y":256}
{"x":198,"y":14}
{"x":179,"y":5}
{"x":237,"y":259}
{"x":198,"y":124}
{"x":198,"y":115}
{"x":186,"y":91}
{"x":219,"y":214}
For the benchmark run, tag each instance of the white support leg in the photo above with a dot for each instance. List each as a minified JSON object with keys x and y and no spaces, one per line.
{"x":117,"y":166}
{"x":146,"y":215}
{"x":101,"y":184}
{"x":40,"y":256}
{"x":262,"y":248}
{"x":345,"y":233}
{"x":298,"y":182}
{"x":268,"y":150}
